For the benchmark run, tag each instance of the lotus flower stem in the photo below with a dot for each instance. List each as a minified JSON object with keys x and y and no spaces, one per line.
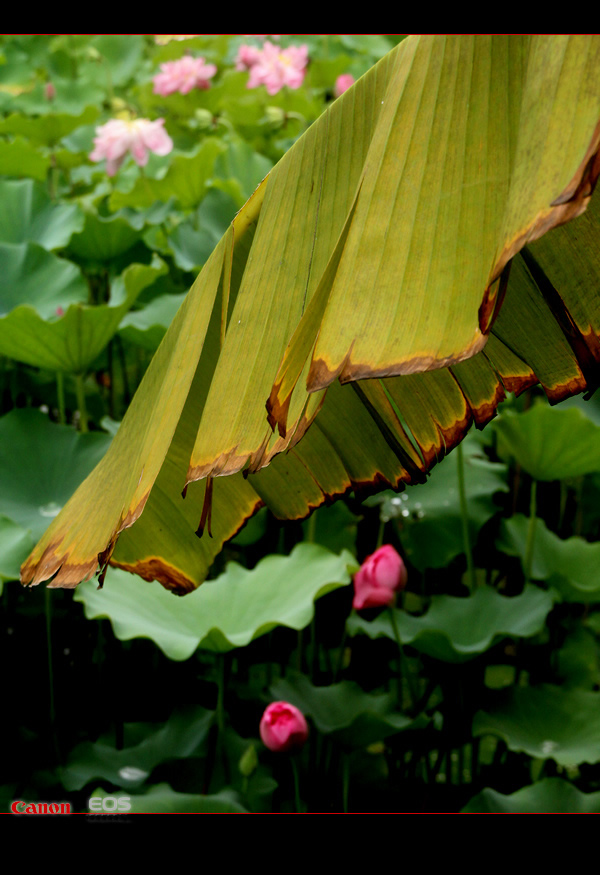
{"x":311,"y":528}
{"x":80,"y":390}
{"x":340,"y":656}
{"x":345,"y":781}
{"x":60,"y":394}
{"x":380,"y":534}
{"x":297,"y":801}
{"x":530,"y":531}
{"x":403,"y":671}
{"x":220,"y":715}
{"x":464,"y":516}
{"x":51,"y":703}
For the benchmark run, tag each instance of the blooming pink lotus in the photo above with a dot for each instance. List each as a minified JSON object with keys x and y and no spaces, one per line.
{"x":275,"y":67}
{"x":183,"y":75}
{"x":379,"y":578}
{"x":343,"y":83}
{"x":283,"y":727}
{"x":139,"y":137}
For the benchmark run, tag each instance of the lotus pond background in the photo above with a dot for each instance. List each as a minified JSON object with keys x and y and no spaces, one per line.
{"x":479,"y":691}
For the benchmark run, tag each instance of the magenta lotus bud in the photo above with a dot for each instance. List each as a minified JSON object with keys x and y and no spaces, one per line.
{"x":379,"y":578}
{"x":283,"y":727}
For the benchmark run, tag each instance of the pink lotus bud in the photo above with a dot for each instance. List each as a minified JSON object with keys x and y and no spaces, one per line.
{"x":379,"y":578}
{"x":343,"y":83}
{"x":283,"y":727}
{"x":246,"y":57}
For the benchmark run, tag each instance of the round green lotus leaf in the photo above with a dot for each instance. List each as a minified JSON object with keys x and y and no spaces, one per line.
{"x":222,"y":614}
{"x":161,"y":799}
{"x":15,"y":545}
{"x":21,"y":158}
{"x":357,"y":718}
{"x":49,"y":129}
{"x":146,"y":326}
{"x":33,"y":277}
{"x":546,"y":722}
{"x":76,"y":334}
{"x":102,"y":238}
{"x":28,"y":214}
{"x":549,"y":443}
{"x":571,"y":565}
{"x":548,"y":796}
{"x":459,"y":629}
{"x":180,"y":737}
{"x":41,"y":465}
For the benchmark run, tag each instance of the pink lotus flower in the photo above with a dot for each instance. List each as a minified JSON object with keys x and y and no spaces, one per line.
{"x":283,"y":727}
{"x":118,"y":137}
{"x":247,"y":57}
{"x":183,"y":75}
{"x":379,"y":578}
{"x":343,"y":83}
{"x":275,"y":67}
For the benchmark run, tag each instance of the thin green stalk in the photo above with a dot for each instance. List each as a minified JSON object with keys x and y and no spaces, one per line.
{"x":578,"y":522}
{"x":432,"y":770}
{"x":345,"y":782}
{"x":449,"y":767}
{"x":295,"y":772}
{"x":125,"y":378}
{"x":48,"y":612}
{"x":313,"y":650}
{"x":60,"y":394}
{"x":474,"y":759}
{"x":461,"y":764}
{"x":564,"y":494}
{"x":530,"y":532}
{"x":52,"y":177}
{"x":311,"y":527}
{"x":220,"y":754}
{"x":146,"y":182}
{"x":402,"y":667}
{"x":340,"y":658}
{"x":464,"y":517}
{"x":51,"y":703}
{"x":80,"y":390}
{"x":109,"y":83}
{"x":111,"y":378}
{"x":220,"y":692}
{"x":300,"y":650}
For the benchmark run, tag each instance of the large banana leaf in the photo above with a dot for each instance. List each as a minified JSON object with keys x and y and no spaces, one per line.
{"x":389,"y":280}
